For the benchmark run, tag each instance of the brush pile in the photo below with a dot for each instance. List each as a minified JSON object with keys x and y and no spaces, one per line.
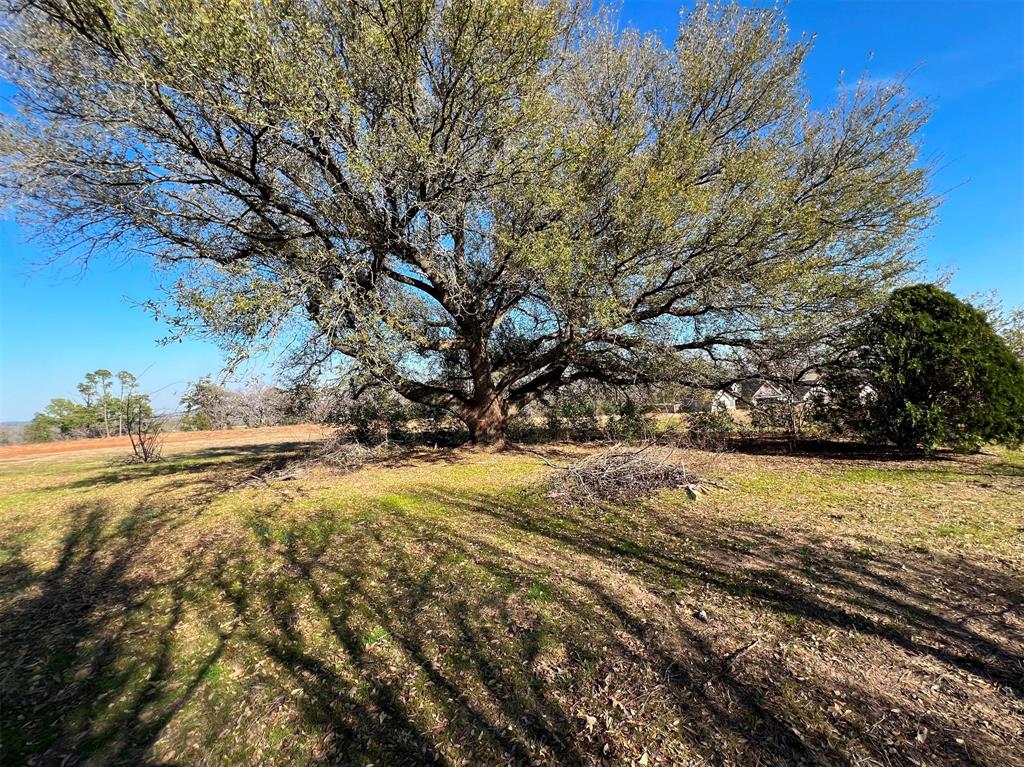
{"x":620,"y":475}
{"x":340,"y":451}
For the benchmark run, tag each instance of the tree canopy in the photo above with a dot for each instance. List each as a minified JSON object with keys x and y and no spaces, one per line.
{"x":474,"y":202}
{"x":929,"y":370}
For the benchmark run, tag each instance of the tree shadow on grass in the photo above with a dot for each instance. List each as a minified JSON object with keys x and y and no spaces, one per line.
{"x":959,"y":616}
{"x":526,"y":656}
{"x":834,"y":449}
{"x":897,"y":598}
{"x":458,"y":628}
{"x":194,"y":469}
{"x":88,"y":647}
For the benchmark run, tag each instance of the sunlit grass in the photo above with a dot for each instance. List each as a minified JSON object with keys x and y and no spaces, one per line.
{"x":441,"y":607}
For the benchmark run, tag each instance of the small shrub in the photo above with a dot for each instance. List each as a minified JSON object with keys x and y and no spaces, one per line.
{"x":709,"y":430}
{"x":145,"y":430}
{"x":147,"y":439}
{"x":573,"y":419}
{"x":629,"y":422}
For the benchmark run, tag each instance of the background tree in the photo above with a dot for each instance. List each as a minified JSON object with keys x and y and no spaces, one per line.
{"x":95,"y":392}
{"x":87,"y":389}
{"x":104,"y":381}
{"x":127,"y":382}
{"x":1011,"y":327}
{"x":1008,"y":323}
{"x":211,"y":406}
{"x":207,"y":406}
{"x":478,"y":203}
{"x":257,"y":404}
{"x":67,"y":419}
{"x":929,"y":370}
{"x":39,"y":429}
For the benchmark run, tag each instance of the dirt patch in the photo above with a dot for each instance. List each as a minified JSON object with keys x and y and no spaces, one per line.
{"x":197,"y":439}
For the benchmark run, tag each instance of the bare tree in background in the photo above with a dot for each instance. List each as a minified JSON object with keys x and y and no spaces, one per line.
{"x":145,"y":430}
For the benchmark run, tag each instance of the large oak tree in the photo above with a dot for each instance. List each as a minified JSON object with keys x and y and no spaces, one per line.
{"x":475,"y":201}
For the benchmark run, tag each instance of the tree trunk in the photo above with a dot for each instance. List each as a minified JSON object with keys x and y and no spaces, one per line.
{"x":487,"y":415}
{"x":487,"y":422}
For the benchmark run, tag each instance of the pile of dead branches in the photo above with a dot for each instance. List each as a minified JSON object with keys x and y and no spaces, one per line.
{"x":340,"y":451}
{"x":263,"y":476}
{"x":620,"y":475}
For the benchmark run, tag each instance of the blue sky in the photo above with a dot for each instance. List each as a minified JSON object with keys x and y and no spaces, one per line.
{"x":966,"y":58}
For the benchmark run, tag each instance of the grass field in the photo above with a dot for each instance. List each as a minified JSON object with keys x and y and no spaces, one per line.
{"x":438,"y":610}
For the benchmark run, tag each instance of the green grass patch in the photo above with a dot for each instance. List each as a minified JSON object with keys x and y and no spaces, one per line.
{"x":539,"y":592}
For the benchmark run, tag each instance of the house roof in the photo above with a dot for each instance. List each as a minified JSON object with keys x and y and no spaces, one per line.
{"x":755,"y":389}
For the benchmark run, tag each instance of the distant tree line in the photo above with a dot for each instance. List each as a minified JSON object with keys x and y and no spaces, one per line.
{"x":108,"y":404}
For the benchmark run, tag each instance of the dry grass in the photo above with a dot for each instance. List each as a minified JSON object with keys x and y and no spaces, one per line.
{"x":194,"y":439}
{"x":436,"y":610}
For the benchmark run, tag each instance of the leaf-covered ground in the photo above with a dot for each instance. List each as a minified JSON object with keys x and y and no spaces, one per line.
{"x":437,"y":610}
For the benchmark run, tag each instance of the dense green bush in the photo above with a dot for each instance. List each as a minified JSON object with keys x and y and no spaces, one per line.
{"x":927,"y":370}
